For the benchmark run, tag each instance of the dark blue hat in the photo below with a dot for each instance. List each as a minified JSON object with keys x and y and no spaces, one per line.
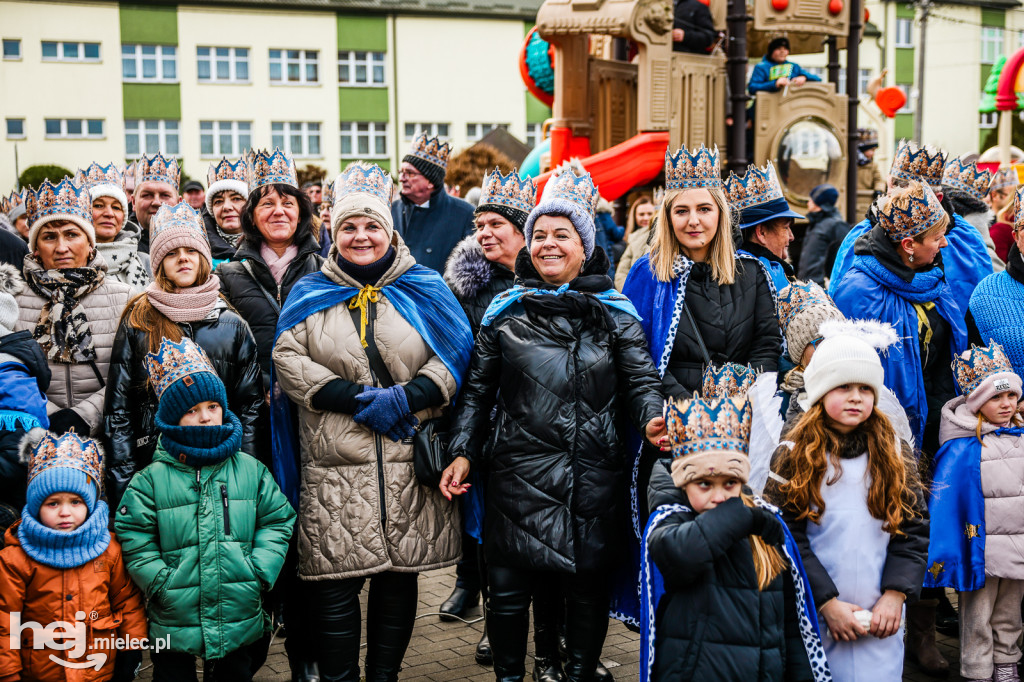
{"x":825,"y":195}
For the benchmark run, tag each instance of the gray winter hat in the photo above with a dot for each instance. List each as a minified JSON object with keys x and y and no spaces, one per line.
{"x":570,"y":193}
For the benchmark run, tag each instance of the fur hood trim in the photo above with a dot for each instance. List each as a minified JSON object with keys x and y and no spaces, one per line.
{"x":467,"y":270}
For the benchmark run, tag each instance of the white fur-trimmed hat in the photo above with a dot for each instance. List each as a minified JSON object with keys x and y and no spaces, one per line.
{"x":848,"y":355}
{"x":225,"y":176}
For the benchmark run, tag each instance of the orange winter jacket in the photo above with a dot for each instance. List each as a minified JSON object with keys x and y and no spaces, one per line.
{"x":101,"y":589}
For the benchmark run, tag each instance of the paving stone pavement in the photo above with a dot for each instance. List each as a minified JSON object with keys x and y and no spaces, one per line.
{"x":443,"y":652}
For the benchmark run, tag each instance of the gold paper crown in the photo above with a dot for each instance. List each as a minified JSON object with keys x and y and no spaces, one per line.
{"x":924,"y":164}
{"x":1018,"y":209}
{"x":178,"y":215}
{"x":225,"y":170}
{"x":365,"y":178}
{"x":175,"y":361}
{"x":967,"y":177}
{"x":157,"y":168}
{"x":269,"y":168}
{"x":728,"y":381}
{"x":64,"y":199}
{"x":923,"y":211}
{"x":698,"y":426}
{"x":13,"y":200}
{"x":800,"y":296}
{"x":431,"y":150}
{"x":67,"y":451}
{"x":980,"y":364}
{"x":96,"y":174}
{"x":756,"y":186}
{"x":699,"y":169}
{"x":579,"y":189}
{"x":1004,"y":177}
{"x":508,"y":190}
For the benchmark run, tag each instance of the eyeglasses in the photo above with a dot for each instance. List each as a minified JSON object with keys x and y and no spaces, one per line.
{"x":409,"y":173}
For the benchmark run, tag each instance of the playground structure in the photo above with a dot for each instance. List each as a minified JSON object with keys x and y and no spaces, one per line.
{"x":620,"y":115}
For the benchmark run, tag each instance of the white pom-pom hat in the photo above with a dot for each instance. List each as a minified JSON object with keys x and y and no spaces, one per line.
{"x":847,"y":355}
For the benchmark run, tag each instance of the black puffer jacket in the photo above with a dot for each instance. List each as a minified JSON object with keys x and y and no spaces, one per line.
{"x":713,"y":623}
{"x":259,"y":300}
{"x":557,"y":472}
{"x":474,"y":280}
{"x":737,"y":322}
{"x":129,"y":410}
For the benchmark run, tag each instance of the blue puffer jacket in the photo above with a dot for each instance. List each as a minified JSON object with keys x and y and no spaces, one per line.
{"x":767,"y":72}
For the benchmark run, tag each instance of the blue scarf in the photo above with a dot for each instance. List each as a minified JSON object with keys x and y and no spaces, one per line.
{"x":419,"y":295}
{"x":199,"y":446}
{"x":956,"y":547}
{"x":63,"y":549}
{"x":652,"y":589}
{"x":610,"y":298}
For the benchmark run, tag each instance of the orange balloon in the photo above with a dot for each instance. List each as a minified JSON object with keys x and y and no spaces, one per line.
{"x":835,"y":6}
{"x":890,"y":100}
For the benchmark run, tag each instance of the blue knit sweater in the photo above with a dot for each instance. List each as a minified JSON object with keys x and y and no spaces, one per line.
{"x":997,"y":306}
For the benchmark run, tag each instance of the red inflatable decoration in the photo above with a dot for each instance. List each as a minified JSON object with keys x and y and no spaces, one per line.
{"x":890,"y":100}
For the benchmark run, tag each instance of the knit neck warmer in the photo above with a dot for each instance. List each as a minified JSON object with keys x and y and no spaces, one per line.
{"x":63,"y":328}
{"x":122,"y":257}
{"x":926,"y":285}
{"x":63,"y":549}
{"x":190,"y":304}
{"x":199,"y":446}
{"x":371,"y":273}
{"x":278,"y":264}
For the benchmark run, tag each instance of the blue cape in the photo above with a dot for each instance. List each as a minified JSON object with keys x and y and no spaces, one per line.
{"x":776,"y":273}
{"x":22,"y":404}
{"x":956,"y":547}
{"x":869,"y":291}
{"x":652,"y":588}
{"x":419,"y":295}
{"x":965,"y":259}
{"x":610,"y":298}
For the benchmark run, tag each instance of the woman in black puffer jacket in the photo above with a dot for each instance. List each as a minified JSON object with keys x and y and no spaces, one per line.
{"x":184,"y":300}
{"x":564,"y":357}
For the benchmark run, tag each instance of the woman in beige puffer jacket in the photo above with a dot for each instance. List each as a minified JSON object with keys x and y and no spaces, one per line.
{"x":362,"y":511}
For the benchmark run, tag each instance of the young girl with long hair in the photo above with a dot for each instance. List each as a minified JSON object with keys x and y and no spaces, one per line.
{"x":725,"y":598}
{"x":977,"y":527}
{"x":184,"y":300}
{"x":850,"y":494}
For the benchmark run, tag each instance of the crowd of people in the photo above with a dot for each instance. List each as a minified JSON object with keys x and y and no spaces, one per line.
{"x":229,"y":410}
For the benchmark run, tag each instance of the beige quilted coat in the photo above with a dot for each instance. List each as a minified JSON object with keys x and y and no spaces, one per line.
{"x":77,"y":386}
{"x":349,"y":525}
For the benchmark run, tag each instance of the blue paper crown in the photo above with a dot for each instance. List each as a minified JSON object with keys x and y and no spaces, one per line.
{"x":1004,"y":177}
{"x":698,"y":426}
{"x":157,"y":168}
{"x":728,"y":381}
{"x":756,"y":186}
{"x":509,"y":190}
{"x":67,"y":451}
{"x":269,"y":168}
{"x":800,"y":296}
{"x":11,"y":201}
{"x":579,"y":189}
{"x":922,"y":212}
{"x":327,"y":194}
{"x":174,"y":362}
{"x":1018,"y":209}
{"x":980,"y":364}
{"x":700,"y":169}
{"x":431,"y":150}
{"x":179,"y":215}
{"x":967,"y":177}
{"x":225,"y":170}
{"x":924,"y":164}
{"x":96,"y":174}
{"x":365,"y":178}
{"x":65,"y":199}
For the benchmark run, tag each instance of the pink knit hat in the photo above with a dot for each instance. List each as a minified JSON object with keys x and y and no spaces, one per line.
{"x":176,"y":226}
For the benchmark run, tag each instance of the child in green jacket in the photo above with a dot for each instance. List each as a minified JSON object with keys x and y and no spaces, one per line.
{"x":204,"y":527}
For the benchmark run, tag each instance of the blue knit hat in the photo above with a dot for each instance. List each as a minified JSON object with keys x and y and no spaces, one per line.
{"x":182,"y":376}
{"x":570,"y":193}
{"x":825,"y":195}
{"x":61,"y":464}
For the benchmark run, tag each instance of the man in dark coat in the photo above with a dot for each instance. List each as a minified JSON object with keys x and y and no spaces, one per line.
{"x":430,"y":221}
{"x":692,"y":27}
{"x":827,"y":228}
{"x":13,"y":249}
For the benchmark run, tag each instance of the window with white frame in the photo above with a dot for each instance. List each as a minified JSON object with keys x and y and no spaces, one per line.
{"x":12,"y":48}
{"x":534,"y":134}
{"x":361,"y":68}
{"x":904,"y":33}
{"x":224,"y":138}
{"x":818,"y":71}
{"x":431,"y":129}
{"x":149,"y":63}
{"x":74,"y":128}
{"x":475,"y":131}
{"x":911,"y":93}
{"x":364,"y":140}
{"x":296,"y":67}
{"x":296,"y":139}
{"x":991,"y":44}
{"x":863,"y":78}
{"x":149,"y":136}
{"x":70,"y":52}
{"x":15,"y":129}
{"x":222,"y":64}
{"x":988,"y":120}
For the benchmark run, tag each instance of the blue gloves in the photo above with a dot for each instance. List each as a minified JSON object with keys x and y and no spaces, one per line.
{"x":386,"y":411}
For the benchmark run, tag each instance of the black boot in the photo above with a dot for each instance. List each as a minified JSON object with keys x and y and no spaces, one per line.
{"x":507,"y":634}
{"x":548,"y":670}
{"x":484,"y":655}
{"x":305,"y":672}
{"x":459,"y":603}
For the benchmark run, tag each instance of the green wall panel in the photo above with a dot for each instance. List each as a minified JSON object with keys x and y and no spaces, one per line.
{"x":904,"y":71}
{"x":904,"y":126}
{"x":153,"y":24}
{"x":363,"y":104}
{"x":993,"y":17}
{"x":536,"y":112}
{"x":356,"y":32}
{"x":905,"y":11}
{"x":383,"y":163}
{"x":157,"y":100}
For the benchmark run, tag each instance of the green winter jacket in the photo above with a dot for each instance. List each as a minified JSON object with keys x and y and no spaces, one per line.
{"x":204,"y":544}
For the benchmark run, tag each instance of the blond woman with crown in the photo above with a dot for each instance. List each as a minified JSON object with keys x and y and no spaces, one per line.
{"x":701,"y":302}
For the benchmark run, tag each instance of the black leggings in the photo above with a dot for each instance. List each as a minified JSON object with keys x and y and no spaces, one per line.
{"x":586,"y":600}
{"x":391,"y":612}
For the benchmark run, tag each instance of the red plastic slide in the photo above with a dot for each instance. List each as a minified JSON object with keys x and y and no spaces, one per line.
{"x":619,"y":169}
